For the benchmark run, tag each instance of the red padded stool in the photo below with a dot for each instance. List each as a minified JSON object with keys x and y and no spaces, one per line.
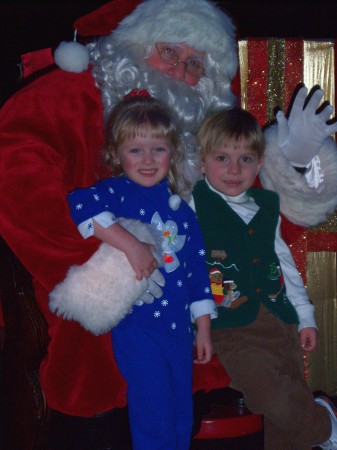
{"x":223,"y":413}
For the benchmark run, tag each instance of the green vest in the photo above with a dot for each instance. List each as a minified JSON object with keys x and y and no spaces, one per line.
{"x":244,"y":254}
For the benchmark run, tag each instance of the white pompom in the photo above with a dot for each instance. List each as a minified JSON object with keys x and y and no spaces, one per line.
{"x":72,"y":57}
{"x":174,"y":202}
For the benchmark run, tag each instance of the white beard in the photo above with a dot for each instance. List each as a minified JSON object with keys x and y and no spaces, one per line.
{"x":119,"y":76}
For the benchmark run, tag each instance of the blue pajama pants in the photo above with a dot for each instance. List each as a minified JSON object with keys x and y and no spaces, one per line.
{"x":158,"y":369}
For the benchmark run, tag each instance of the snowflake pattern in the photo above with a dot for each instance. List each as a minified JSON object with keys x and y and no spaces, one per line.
{"x":166,"y":312}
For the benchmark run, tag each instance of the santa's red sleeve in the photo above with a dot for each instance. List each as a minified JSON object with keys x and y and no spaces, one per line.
{"x":51,"y":133}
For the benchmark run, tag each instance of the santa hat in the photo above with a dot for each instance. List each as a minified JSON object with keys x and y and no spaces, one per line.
{"x":105,"y":19}
{"x":74,"y":57}
{"x":197,"y":23}
{"x":214,"y":271}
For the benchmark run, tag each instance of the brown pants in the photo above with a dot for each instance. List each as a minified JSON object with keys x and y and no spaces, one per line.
{"x":265,"y":362}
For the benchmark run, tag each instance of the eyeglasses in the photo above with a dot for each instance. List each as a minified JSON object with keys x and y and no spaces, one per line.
{"x":169,"y":55}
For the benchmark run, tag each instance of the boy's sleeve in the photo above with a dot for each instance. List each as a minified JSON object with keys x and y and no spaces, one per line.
{"x":295,"y":289}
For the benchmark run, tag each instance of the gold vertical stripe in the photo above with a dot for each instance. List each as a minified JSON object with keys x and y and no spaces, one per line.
{"x":319,"y":67}
{"x":276,"y":70}
{"x":243,"y":61}
{"x":322,"y":289}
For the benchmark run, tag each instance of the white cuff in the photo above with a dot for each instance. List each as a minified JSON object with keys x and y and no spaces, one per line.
{"x":105,"y":219}
{"x":306,"y":316}
{"x":203,"y":307}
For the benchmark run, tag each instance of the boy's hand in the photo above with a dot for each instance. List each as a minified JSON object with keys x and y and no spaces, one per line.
{"x":203,"y":340}
{"x":308,"y":338}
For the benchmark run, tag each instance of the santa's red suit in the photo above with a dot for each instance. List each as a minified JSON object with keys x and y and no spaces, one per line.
{"x":61,"y":151}
{"x":51,"y":133}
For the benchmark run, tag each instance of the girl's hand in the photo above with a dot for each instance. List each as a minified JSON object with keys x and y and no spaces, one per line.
{"x":141,"y":259}
{"x":138,"y":253}
{"x":203,"y":340}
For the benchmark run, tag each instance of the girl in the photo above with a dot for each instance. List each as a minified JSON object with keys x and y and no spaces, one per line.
{"x":153,"y":344}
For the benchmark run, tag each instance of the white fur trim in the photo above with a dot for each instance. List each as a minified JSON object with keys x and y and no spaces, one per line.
{"x":72,"y":57}
{"x":300,"y":203}
{"x":197,"y":23}
{"x":101,"y":292}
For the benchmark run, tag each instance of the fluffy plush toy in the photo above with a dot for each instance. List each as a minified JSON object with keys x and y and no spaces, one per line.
{"x":91,"y":294}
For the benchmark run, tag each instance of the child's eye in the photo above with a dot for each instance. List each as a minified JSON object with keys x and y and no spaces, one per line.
{"x":160,"y":149}
{"x":247,"y":159}
{"x":134,"y":150}
{"x":221,"y":158}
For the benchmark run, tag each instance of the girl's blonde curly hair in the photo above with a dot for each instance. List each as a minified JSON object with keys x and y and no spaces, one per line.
{"x":139,"y":116}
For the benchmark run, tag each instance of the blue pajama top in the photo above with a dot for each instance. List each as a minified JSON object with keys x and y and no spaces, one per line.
{"x":184,"y":268}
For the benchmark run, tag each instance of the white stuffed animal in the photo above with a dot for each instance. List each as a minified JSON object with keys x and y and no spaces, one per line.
{"x":102,"y":291}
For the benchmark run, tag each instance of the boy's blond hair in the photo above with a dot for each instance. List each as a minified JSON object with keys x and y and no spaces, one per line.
{"x":228,"y":127}
{"x":139,"y":116}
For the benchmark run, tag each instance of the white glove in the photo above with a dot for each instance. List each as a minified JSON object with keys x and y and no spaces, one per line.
{"x":153,"y":290}
{"x":301,"y":136}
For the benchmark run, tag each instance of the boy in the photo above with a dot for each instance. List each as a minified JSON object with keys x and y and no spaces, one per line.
{"x":265,"y":304}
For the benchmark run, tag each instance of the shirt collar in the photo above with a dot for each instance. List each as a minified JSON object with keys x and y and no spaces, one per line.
{"x":242,"y":198}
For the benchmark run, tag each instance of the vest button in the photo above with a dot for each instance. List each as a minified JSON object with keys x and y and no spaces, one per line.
{"x":258,"y":290}
{"x":251,"y":231}
{"x":256,"y":260}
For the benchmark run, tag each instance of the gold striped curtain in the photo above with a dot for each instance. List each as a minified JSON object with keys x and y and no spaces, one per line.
{"x":270,"y":70}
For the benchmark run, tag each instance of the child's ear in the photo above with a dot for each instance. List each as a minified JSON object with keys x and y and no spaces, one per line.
{"x":260,"y":164}
{"x":116,"y":158}
{"x":202,"y":167}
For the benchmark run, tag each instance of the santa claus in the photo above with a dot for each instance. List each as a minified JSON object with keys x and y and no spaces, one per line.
{"x":51,"y":133}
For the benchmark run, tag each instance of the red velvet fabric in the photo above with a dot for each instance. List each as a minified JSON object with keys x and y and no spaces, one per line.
{"x":50,"y":138}
{"x":210,"y":376}
{"x":34,"y":61}
{"x":103,"y":20}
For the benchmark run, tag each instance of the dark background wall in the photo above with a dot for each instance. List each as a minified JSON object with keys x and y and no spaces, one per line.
{"x":28,"y":25}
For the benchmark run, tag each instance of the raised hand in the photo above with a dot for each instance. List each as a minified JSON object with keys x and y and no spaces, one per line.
{"x":301,"y":136}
